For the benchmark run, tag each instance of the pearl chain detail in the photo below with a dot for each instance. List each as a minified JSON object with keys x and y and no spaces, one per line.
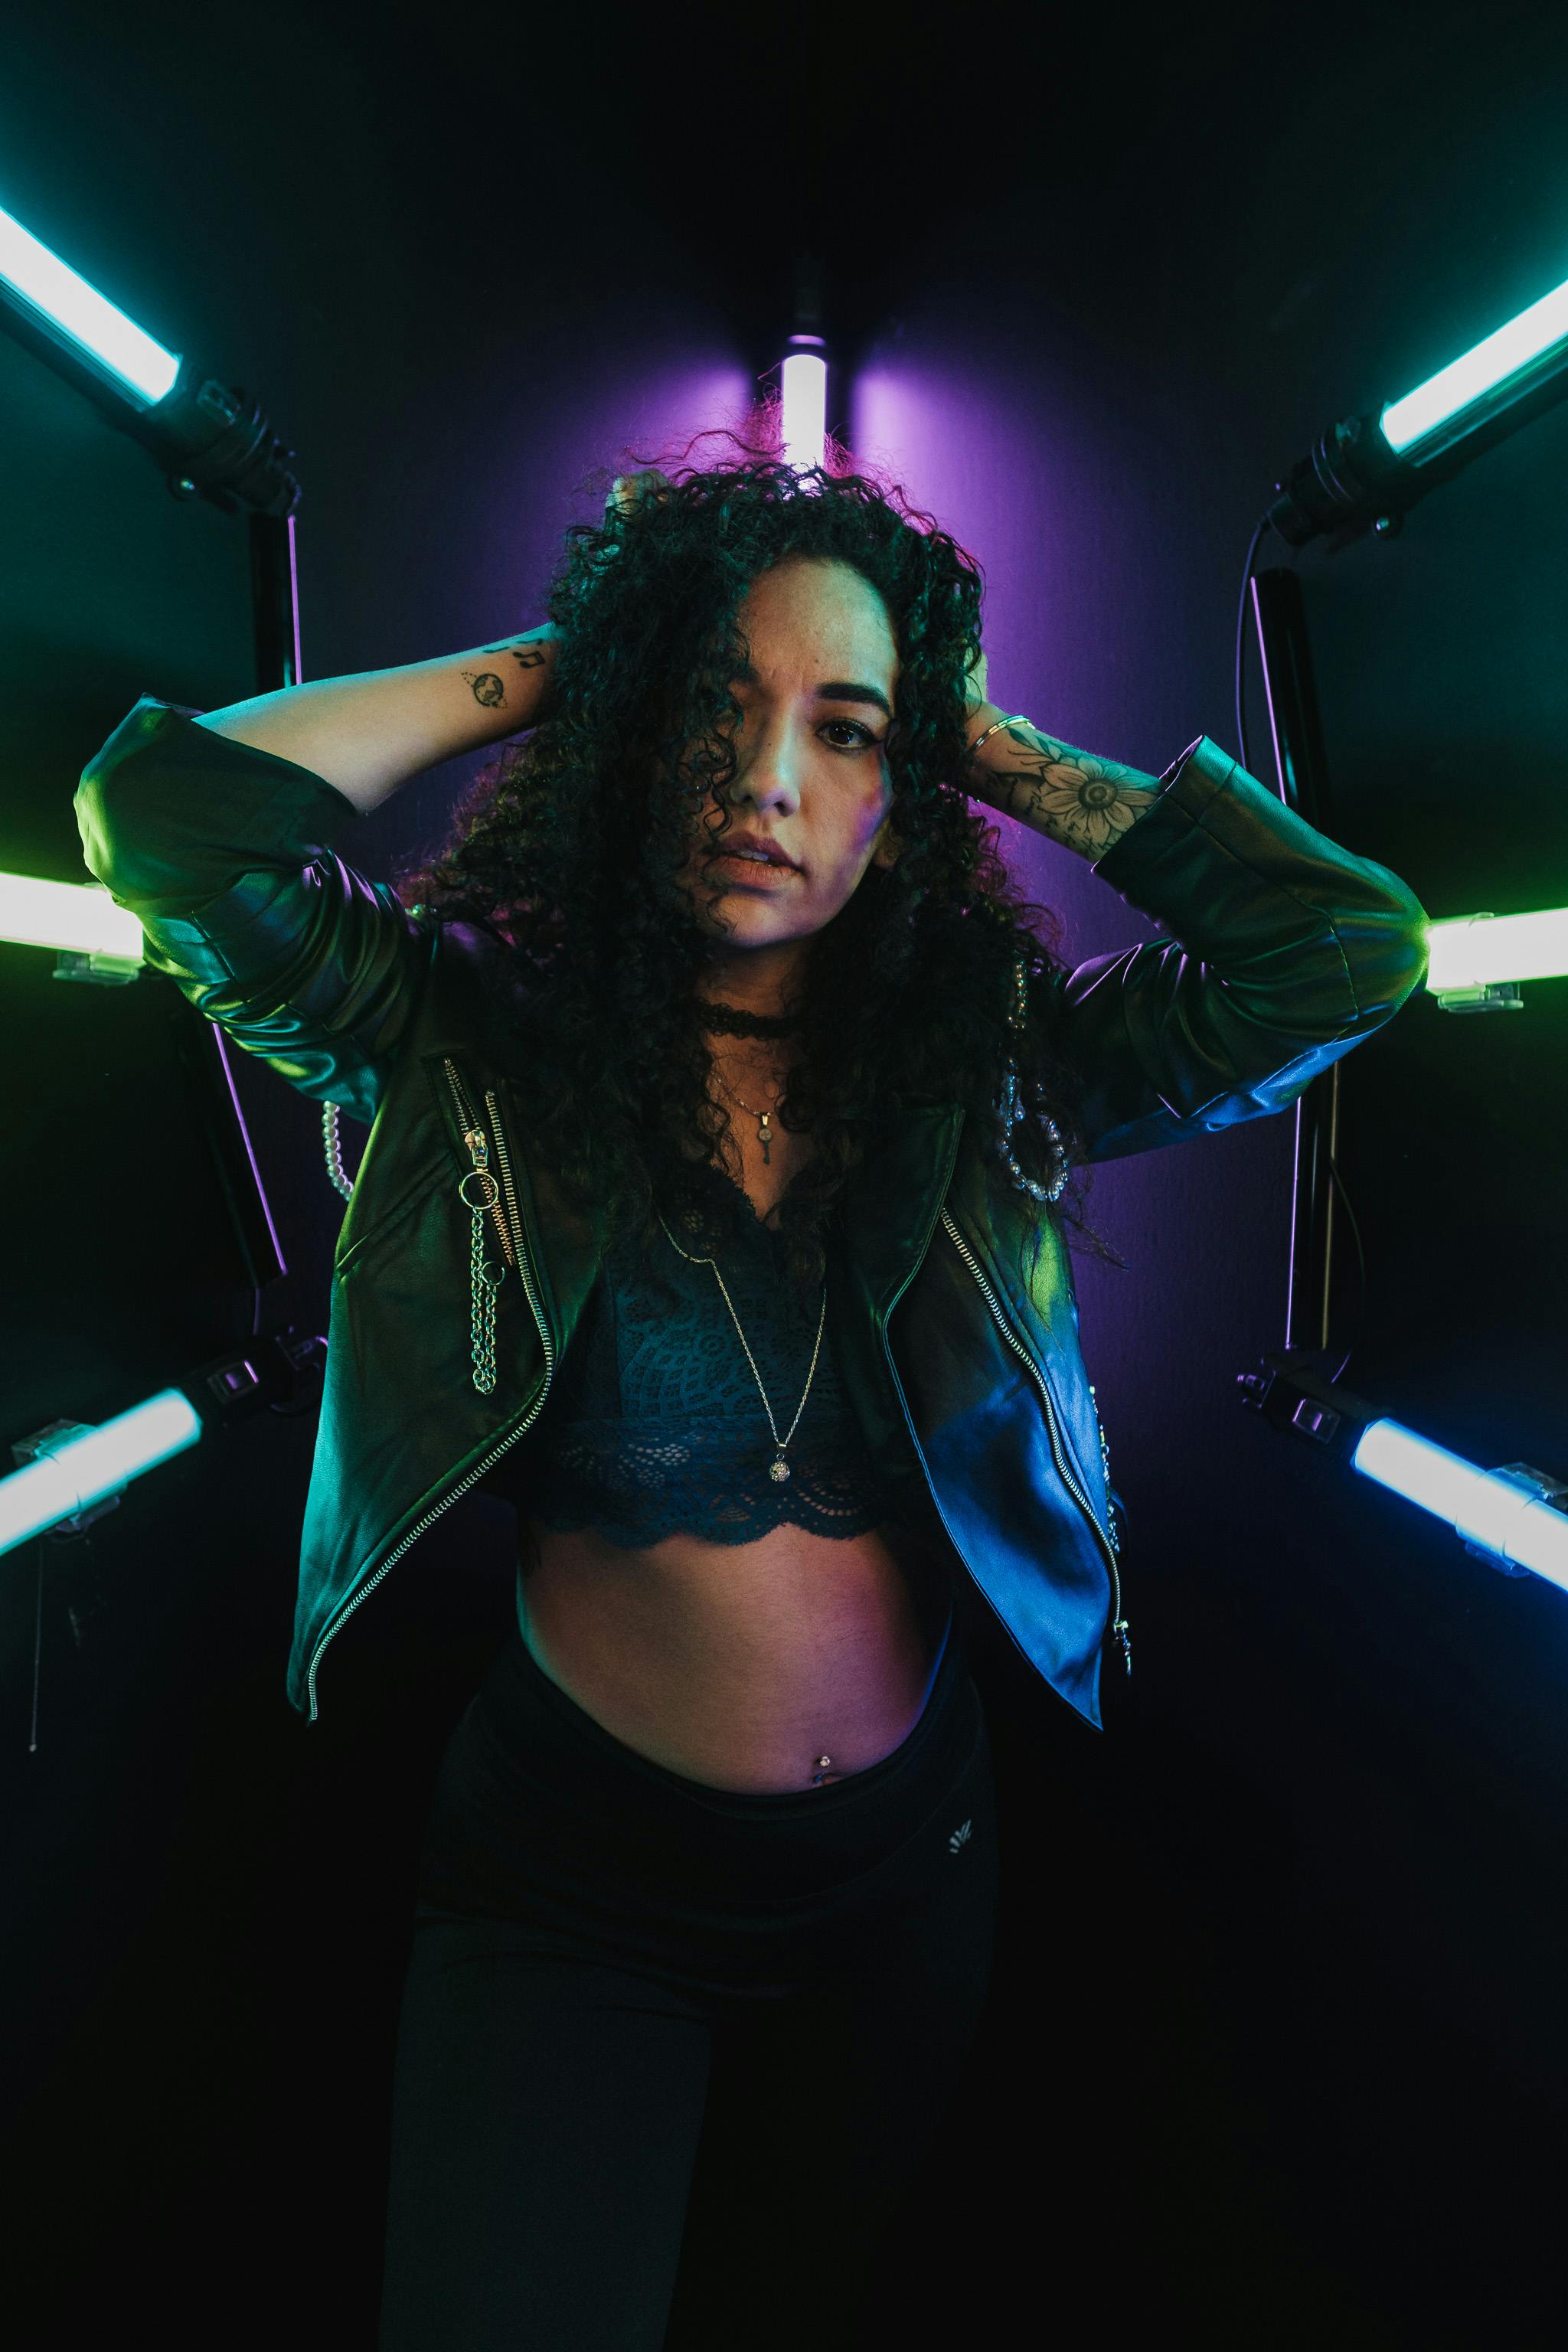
{"x":1012,"y":1109}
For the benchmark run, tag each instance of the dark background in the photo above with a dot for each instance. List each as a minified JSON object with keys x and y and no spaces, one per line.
{"x":1276,"y":2053}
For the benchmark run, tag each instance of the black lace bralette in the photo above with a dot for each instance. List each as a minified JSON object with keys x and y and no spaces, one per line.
{"x":654,"y":1424}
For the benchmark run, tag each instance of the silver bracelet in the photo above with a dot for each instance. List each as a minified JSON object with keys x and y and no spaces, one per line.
{"x":995,"y":723}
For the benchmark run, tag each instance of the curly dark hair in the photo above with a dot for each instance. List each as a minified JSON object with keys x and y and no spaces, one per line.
{"x":907,"y":990}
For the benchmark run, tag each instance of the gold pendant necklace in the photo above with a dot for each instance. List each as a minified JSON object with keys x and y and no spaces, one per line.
{"x":763,"y":1119}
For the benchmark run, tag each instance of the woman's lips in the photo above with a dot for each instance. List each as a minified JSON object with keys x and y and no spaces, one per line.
{"x":737,"y":872}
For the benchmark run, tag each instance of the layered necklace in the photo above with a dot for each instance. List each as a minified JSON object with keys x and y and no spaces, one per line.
{"x":730,"y":1021}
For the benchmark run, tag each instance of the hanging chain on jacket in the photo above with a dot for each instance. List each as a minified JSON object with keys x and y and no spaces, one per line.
{"x":484,"y":1279}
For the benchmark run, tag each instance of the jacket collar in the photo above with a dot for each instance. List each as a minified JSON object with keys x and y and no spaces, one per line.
{"x":891,"y":1202}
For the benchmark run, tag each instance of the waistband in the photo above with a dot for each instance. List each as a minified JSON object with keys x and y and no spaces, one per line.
{"x":532,"y":1789}
{"x":520,"y":1666}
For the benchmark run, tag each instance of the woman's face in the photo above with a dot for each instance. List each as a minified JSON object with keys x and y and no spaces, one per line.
{"x":809,"y":800}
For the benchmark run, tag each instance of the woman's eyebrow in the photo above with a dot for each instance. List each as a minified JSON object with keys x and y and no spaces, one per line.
{"x":837,"y":689}
{"x":845,"y":690}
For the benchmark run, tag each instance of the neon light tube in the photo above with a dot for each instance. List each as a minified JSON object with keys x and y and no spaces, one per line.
{"x":1478,"y":373}
{"x":77,"y":312}
{"x":82,"y":915}
{"x":1478,"y":950}
{"x":79,"y":1471}
{"x":1485,"y":1507}
{"x":804,"y":376}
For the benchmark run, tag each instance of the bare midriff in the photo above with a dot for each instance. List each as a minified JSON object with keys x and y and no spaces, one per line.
{"x":741,"y":1665}
{"x":738,"y":1666}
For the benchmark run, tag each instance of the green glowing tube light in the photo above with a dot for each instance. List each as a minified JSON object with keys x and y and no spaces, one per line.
{"x":78,"y":915}
{"x":1478,"y":375}
{"x":78,"y":1471}
{"x":75,"y":314}
{"x":1465,"y":951}
{"x":1479,"y":951}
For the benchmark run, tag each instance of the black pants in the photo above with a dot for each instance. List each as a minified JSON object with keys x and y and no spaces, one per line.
{"x":649,"y":2026}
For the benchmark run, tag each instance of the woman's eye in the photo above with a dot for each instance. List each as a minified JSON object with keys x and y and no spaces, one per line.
{"x":868,"y":740}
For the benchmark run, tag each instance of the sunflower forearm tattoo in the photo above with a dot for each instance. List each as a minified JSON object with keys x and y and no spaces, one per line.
{"x":1074,"y":797}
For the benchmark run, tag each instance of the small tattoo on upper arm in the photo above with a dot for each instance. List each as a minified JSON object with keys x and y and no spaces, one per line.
{"x":526,"y":656}
{"x":488,"y":687}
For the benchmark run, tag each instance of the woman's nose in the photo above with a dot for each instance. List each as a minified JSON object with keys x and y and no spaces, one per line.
{"x":767,"y":779}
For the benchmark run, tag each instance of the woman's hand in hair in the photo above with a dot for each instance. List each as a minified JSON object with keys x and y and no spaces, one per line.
{"x":629,"y":491}
{"x":626,"y":493}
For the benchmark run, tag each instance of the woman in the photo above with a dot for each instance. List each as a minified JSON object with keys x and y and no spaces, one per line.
{"x":723,"y":1101}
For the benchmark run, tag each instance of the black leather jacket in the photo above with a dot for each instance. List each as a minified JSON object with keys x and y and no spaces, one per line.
{"x":1282,"y":952}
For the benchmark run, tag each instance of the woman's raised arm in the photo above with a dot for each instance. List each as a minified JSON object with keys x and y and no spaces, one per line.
{"x":368,"y":734}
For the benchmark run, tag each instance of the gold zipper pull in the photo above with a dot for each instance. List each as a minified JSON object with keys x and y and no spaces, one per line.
{"x":478,"y":1145}
{"x":489,"y":1198}
{"x":488,"y":1201}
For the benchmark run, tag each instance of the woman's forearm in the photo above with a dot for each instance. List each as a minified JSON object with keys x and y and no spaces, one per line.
{"x":1077,"y":798}
{"x":369,"y":733}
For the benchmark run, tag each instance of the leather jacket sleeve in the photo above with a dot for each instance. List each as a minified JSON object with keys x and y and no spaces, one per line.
{"x":225,"y":854}
{"x":1288,"y":950}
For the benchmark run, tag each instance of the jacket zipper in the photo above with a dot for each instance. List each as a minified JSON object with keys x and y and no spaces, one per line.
{"x":1118,"y":1624}
{"x":475,"y":1136}
{"x":478,"y":1141}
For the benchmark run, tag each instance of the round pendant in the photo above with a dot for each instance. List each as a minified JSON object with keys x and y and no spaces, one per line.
{"x":779,"y":1471}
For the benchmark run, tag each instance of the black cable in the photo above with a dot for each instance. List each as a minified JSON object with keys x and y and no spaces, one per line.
{"x":1241,"y":643}
{"x":37,"y":1653}
{"x":1360,"y":1263}
{"x":1334,"y":1175}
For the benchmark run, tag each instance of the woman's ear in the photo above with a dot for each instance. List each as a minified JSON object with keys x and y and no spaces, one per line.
{"x":888,"y":849}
